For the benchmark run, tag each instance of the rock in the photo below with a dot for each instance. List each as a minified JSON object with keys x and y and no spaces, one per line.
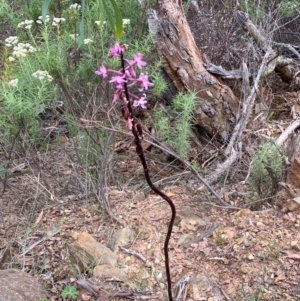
{"x":16,"y":285}
{"x":86,"y":252}
{"x":121,"y":237}
{"x":295,"y":245}
{"x":182,"y":239}
{"x":188,"y":220}
{"x":108,"y":272}
{"x":198,"y":285}
{"x":294,"y":173}
{"x":201,"y":282}
{"x":143,"y":274}
{"x":293,"y":204}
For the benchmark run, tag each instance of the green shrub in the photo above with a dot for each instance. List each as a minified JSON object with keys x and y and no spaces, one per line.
{"x":70,"y":292}
{"x":173,"y":124}
{"x":289,"y":8}
{"x":267,"y":166}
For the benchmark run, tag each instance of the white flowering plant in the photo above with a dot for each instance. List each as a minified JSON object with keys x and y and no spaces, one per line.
{"x":46,"y":55}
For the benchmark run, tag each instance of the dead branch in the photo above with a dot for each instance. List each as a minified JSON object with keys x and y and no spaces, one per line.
{"x":102,"y":295}
{"x":134,"y":253}
{"x":287,"y":132}
{"x":227,"y":74}
{"x":247,"y":107}
{"x":225,"y":166}
{"x":38,"y":242}
{"x":180,"y":286}
{"x":278,"y":62}
{"x":289,"y":47}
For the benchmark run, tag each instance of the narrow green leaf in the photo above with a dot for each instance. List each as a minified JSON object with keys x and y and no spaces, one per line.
{"x":81,"y":32}
{"x":118,"y":18}
{"x":3,"y":171}
{"x":109,"y":15}
{"x":45,"y":9}
{"x":13,"y":175}
{"x":81,"y":24}
{"x":101,"y":14}
{"x":4,"y":163}
{"x":28,"y":3}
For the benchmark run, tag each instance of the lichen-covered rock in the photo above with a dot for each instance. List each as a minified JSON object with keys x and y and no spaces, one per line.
{"x":86,"y":253}
{"x":108,"y":272}
{"x":121,"y":237}
{"x":16,"y":285}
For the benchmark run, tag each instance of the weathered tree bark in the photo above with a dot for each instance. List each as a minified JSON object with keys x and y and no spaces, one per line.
{"x":217,"y":107}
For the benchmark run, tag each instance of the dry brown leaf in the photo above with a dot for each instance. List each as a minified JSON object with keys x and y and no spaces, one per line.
{"x":229,"y":232}
{"x":84,"y":295}
{"x":280,"y":278}
{"x":67,"y":172}
{"x":39,"y":218}
{"x":292,"y":256}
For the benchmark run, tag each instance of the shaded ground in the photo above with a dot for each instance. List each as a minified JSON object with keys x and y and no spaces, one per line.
{"x":251,"y":254}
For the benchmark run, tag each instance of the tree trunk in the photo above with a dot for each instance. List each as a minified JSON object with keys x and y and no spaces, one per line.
{"x":217,"y":107}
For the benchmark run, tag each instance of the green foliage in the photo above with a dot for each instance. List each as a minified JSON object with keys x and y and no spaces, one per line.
{"x":160,"y":85}
{"x":112,"y":13}
{"x":255,"y":9}
{"x":259,"y":9}
{"x":176,"y":136}
{"x":6,"y":174}
{"x":273,"y":250}
{"x":5,"y":12}
{"x":256,"y":296}
{"x":162,"y":126}
{"x":44,"y":299}
{"x":219,"y":237}
{"x":267,"y":162}
{"x":57,"y":52}
{"x":70,"y":292}
{"x":289,"y":8}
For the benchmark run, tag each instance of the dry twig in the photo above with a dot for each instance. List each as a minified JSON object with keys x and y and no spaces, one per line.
{"x":134,"y":253}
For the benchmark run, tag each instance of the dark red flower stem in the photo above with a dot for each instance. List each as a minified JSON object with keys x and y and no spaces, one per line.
{"x":140,"y":153}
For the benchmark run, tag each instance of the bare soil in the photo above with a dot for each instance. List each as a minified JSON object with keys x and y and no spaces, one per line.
{"x":252,"y":254}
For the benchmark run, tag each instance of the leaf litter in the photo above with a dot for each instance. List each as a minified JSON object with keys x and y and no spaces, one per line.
{"x":225,"y":255}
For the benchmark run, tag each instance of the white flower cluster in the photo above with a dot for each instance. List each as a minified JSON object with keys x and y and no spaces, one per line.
{"x":99,"y":23}
{"x":87,"y":41}
{"x":27,"y":24}
{"x":126,"y":21}
{"x":19,"y":49}
{"x":40,"y":19}
{"x":11,"y":41}
{"x":57,"y":21}
{"x":41,"y":75}
{"x":13,"y":82}
{"x":22,"y":49}
{"x":75,"y":6}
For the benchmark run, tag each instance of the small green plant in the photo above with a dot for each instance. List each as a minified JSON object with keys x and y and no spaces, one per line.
{"x":70,"y":292}
{"x":44,"y":299}
{"x":181,"y":111}
{"x":251,"y":297}
{"x":273,"y":250}
{"x":219,"y":237}
{"x":160,"y":85}
{"x":267,"y":168}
